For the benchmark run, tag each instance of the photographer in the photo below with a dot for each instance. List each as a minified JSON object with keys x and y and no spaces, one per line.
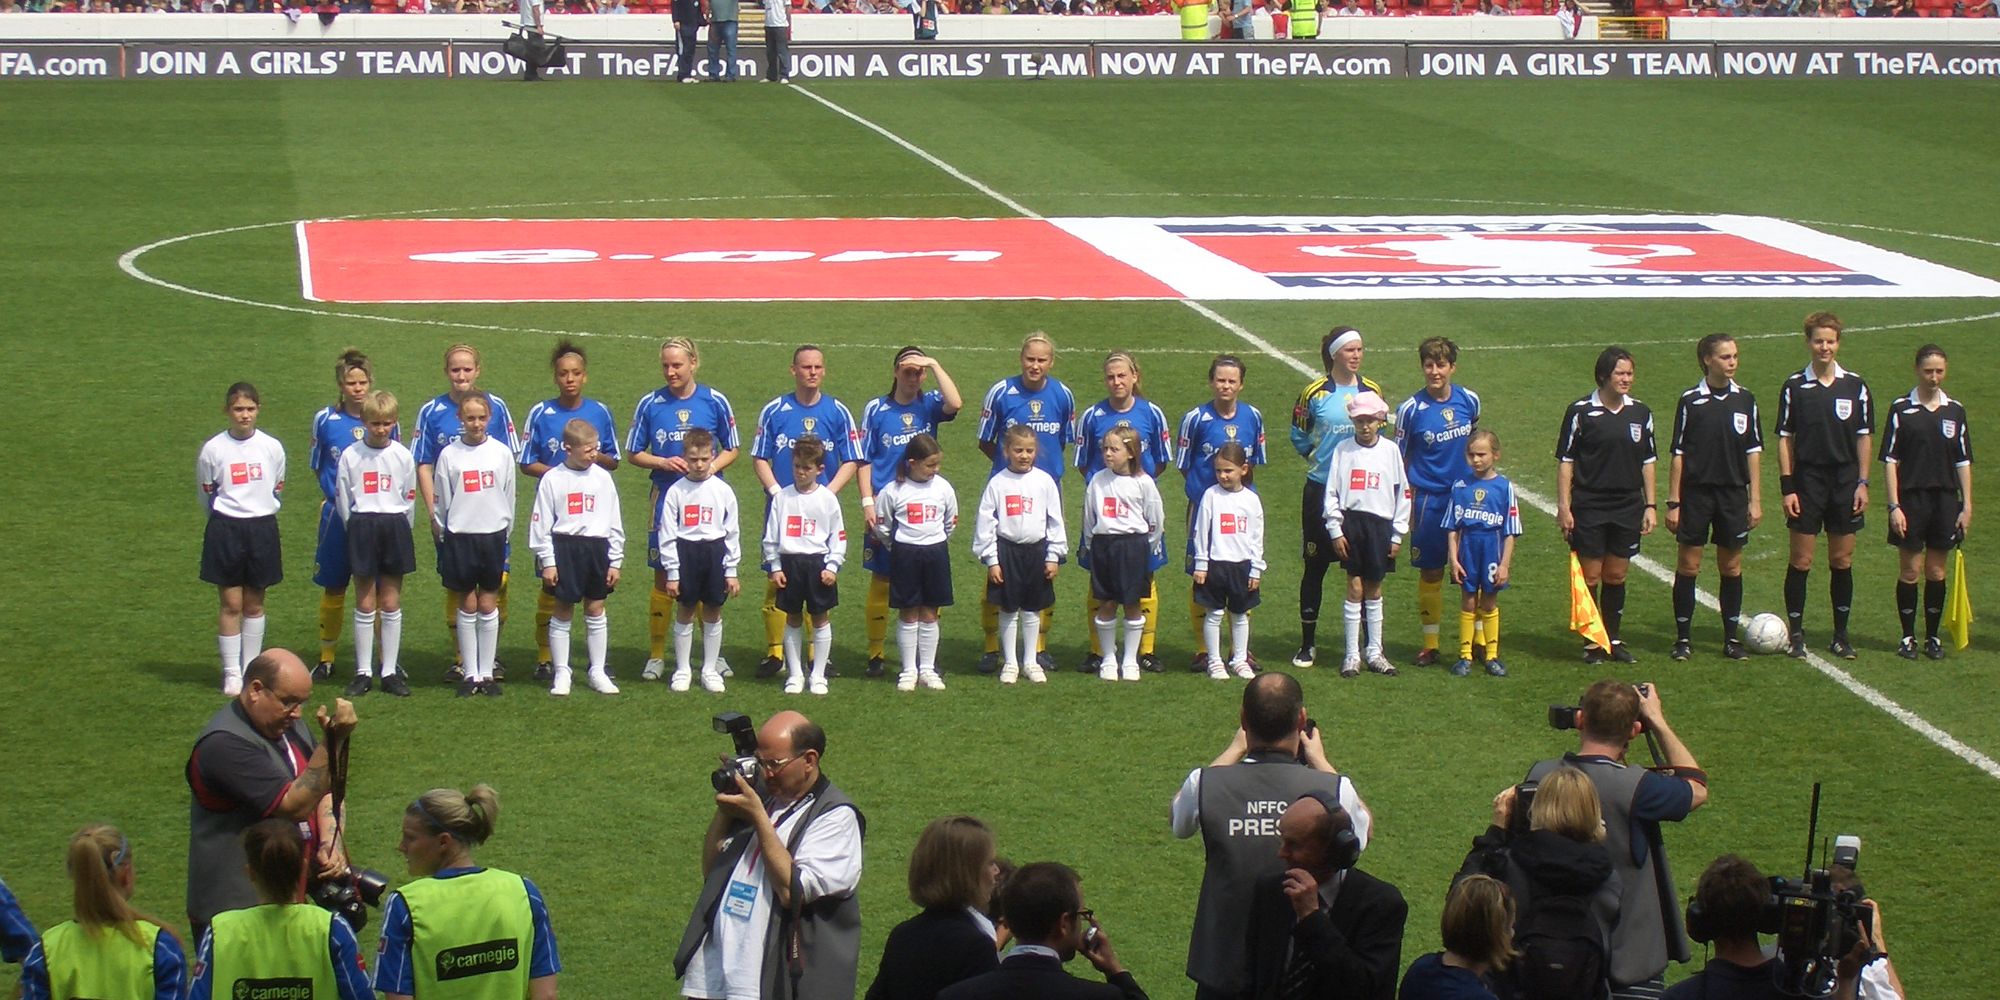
{"x":283,"y":937}
{"x":255,"y":760}
{"x":1867,"y":966}
{"x":1235,"y":803}
{"x":458,"y":921}
{"x":778,"y":917}
{"x":1635,"y":802}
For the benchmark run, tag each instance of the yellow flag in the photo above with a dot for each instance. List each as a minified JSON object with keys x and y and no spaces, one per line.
{"x":1958,"y":606}
{"x":1583,"y":615}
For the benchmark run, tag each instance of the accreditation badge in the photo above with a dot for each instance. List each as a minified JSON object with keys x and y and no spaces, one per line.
{"x":739,"y":900}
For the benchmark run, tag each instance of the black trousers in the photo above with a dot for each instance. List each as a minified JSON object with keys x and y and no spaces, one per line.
{"x":777,"y":53}
{"x":685,"y":47}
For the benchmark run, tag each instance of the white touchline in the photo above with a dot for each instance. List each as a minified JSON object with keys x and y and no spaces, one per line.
{"x":1652,"y":568}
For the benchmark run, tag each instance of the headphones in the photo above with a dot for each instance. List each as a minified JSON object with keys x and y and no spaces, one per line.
{"x":1343,"y":847}
{"x":1702,"y":930}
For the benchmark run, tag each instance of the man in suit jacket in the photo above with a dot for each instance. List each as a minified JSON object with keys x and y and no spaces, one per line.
{"x":1044,"y":907}
{"x":1323,"y":928}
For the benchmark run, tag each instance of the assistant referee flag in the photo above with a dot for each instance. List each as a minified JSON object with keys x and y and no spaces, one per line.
{"x":1958,"y":607}
{"x":1583,"y":614}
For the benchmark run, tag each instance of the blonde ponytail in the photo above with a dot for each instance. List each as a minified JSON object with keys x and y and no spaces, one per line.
{"x":96,"y":855}
{"x":468,"y":816}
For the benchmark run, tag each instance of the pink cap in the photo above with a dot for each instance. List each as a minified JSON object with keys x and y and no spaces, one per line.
{"x":1367,"y":404}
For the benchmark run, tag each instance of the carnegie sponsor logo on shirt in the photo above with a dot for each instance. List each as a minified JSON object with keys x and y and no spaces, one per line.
{"x":1481,"y":516}
{"x":272,"y":989}
{"x":479,"y":959}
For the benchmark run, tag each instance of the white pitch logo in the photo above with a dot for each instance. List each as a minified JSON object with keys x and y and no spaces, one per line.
{"x":1505,"y":256}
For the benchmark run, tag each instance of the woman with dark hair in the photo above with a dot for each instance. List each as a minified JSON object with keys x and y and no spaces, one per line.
{"x":1713,"y":491}
{"x":952,"y":876}
{"x":1927,"y":468}
{"x":1605,"y":490}
{"x":1320,"y":424}
{"x":111,"y":950}
{"x":283,"y":937}
{"x":1826,"y":426}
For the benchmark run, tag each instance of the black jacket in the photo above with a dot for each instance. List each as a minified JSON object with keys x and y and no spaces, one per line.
{"x":1356,"y":947}
{"x":1039,"y":977}
{"x":1539,"y":864}
{"x":930,"y":951}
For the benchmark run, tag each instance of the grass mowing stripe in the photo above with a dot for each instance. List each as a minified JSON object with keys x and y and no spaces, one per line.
{"x":1652,"y":568}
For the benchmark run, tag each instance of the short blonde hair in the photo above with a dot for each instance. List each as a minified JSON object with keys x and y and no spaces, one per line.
{"x":949,"y":866}
{"x":461,"y":349}
{"x":1038,"y":337}
{"x":1566,"y":803}
{"x":379,"y":405}
{"x":683,"y":345}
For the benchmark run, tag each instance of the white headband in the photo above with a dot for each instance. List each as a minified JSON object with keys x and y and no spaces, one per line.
{"x":1350,"y":337}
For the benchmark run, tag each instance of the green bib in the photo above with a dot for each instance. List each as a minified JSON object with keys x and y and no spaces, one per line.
{"x":272,"y":952}
{"x":471,"y":936}
{"x":101,"y":966}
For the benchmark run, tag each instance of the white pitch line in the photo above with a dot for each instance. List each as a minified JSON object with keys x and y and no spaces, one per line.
{"x":1649,"y":566}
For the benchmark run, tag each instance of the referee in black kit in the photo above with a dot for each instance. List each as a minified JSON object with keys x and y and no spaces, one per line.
{"x":1713,"y":495}
{"x":1605,"y":489}
{"x":1927,"y":468}
{"x":1826,"y":423}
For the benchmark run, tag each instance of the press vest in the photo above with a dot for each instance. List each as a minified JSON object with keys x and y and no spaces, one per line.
{"x":472,"y":936}
{"x":1305,"y":18}
{"x":105,"y":965}
{"x":812,"y":951}
{"x":216,"y":879}
{"x":1649,"y":930}
{"x":273,"y":952}
{"x":1194,"y":20}
{"x":1240,"y":806}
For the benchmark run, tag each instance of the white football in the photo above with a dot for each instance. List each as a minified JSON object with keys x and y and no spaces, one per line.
{"x":1766,"y":634}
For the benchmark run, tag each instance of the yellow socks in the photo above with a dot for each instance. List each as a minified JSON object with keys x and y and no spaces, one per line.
{"x":659,"y":621}
{"x":1149,"y":607}
{"x":1430,"y":609}
{"x":1197,"y":615}
{"x":878,"y":615}
{"x":989,"y":620}
{"x":774,"y":623}
{"x":1467,"y":622}
{"x":1490,"y":620}
{"x":330,"y":606}
{"x":1089,"y":615}
{"x":500,"y":600}
{"x":1041,"y":641}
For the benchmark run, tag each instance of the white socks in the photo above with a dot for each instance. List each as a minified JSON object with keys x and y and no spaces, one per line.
{"x":794,"y":640}
{"x":489,"y":642}
{"x":1351,"y":612}
{"x":1374,"y":626}
{"x":1211,"y":634}
{"x":927,"y":644}
{"x":597,"y":640}
{"x":1031,"y":637}
{"x":468,"y":645}
{"x":683,"y":647}
{"x":558,"y":643}
{"x":1010,"y":633}
{"x":231,"y":647}
{"x":822,"y":648}
{"x":1134,"y":629}
{"x":364,"y":643}
{"x":392,"y":638}
{"x":1107,"y":640}
{"x":253,"y":639}
{"x":906,"y":643}
{"x":711,"y":644}
{"x":1239,"y":634}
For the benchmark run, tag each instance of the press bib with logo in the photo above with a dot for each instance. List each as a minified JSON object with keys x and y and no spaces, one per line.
{"x":273,"y":952}
{"x":471,"y":936}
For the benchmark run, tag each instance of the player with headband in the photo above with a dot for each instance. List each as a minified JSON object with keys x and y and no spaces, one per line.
{"x":1319,"y":424}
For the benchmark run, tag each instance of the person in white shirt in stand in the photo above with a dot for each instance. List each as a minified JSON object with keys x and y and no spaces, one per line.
{"x":240,"y":475}
{"x":1018,"y":535}
{"x":375,"y":493}
{"x":1367,"y":515}
{"x":1229,"y":559}
{"x":805,"y":541}
{"x":1124,"y":524}
{"x":917,"y":513}
{"x":578,"y":536}
{"x":475,"y":482}
{"x":701,"y":544}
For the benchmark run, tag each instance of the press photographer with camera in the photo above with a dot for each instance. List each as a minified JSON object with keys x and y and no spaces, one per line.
{"x":778,"y":917}
{"x":459,"y":921}
{"x":1235,"y":803}
{"x":283,"y":938}
{"x":1635,"y":801}
{"x":256,"y":760}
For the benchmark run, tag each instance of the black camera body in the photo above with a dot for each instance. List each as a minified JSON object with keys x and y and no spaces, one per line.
{"x":1564,"y":716}
{"x":1817,"y":925}
{"x":351,"y":896}
{"x":742,"y":761}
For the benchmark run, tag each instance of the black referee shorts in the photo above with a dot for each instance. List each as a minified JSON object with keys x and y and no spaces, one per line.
{"x":242,"y":552}
{"x":1227,"y":588}
{"x":1312,"y":524}
{"x":702,"y":579}
{"x":803,"y":589}
{"x":1932,"y":517}
{"x":1714,"y":515}
{"x":919,"y":576}
{"x":582,"y":566}
{"x":1024,"y":583}
{"x":380,"y":545}
{"x":1607,"y":530}
{"x":472,"y":562}
{"x":1368,"y":540}
{"x":1826,"y":500}
{"x":1121,"y":568}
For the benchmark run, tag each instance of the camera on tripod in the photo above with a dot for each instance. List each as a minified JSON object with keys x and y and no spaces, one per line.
{"x":742,"y":762}
{"x":352,"y":895}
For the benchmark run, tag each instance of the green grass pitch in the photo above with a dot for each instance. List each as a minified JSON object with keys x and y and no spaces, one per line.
{"x":106,"y":649}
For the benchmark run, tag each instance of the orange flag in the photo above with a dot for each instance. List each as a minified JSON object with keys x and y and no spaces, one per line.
{"x":1583,"y":615}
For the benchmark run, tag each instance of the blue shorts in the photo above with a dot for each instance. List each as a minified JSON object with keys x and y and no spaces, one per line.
{"x":1429,"y":548}
{"x":874,"y":555}
{"x":1479,"y":553}
{"x":330,"y":559}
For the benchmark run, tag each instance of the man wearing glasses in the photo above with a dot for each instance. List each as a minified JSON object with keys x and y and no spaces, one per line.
{"x":256,"y":759}
{"x":778,"y":918}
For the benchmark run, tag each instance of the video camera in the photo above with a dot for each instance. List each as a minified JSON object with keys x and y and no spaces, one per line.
{"x":535,"y":48}
{"x":351,"y":896}
{"x":1817,"y":925}
{"x":742,"y":734}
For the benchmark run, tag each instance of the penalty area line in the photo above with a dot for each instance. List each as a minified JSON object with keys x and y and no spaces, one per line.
{"x":1650,"y":567}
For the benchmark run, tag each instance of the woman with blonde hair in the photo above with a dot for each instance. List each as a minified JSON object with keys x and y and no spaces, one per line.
{"x":110,"y":951}
{"x":952,"y":874}
{"x":283,"y":937}
{"x":1478,"y":930}
{"x":461,"y":913}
